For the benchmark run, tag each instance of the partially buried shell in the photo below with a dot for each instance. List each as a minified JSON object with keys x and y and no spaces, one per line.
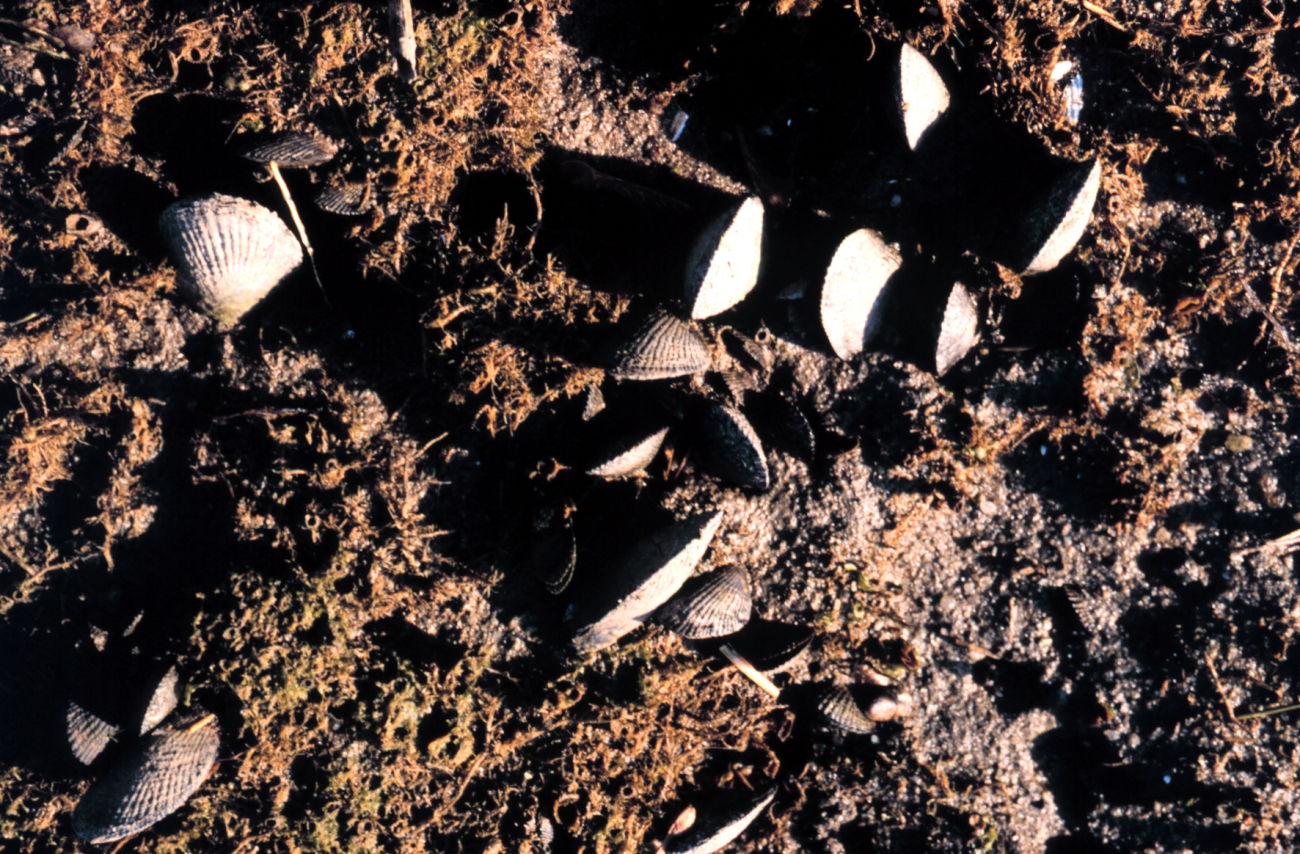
{"x":959,"y":330}
{"x":770,"y":644}
{"x":723,"y":265}
{"x":920,"y":95}
{"x":629,"y":456}
{"x":148,"y":785}
{"x":718,"y":826}
{"x":292,"y":149}
{"x":838,"y":708}
{"x":735,"y":453}
{"x":642,"y":580}
{"x":87,"y":734}
{"x":346,"y":199}
{"x":719,"y":604}
{"x":1053,"y":228}
{"x":162,"y":703}
{"x":851,"y":305}
{"x":662,"y":347}
{"x":229,"y":252}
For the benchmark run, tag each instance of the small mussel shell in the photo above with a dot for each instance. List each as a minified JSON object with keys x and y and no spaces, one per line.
{"x":723,"y":265}
{"x":154,"y":781}
{"x":718,"y":825}
{"x":958,"y":331}
{"x":292,"y":149}
{"x":87,"y":734}
{"x":770,"y":644}
{"x":642,"y":580}
{"x":662,"y":347}
{"x":629,"y":456}
{"x":346,"y":199}
{"x":162,"y":703}
{"x":717,"y":604}
{"x":781,"y":418}
{"x":839,"y":709}
{"x":735,"y":453}
{"x":229,"y":252}
{"x":1054,"y":227}
{"x":851,"y":306}
{"x":920,"y":95}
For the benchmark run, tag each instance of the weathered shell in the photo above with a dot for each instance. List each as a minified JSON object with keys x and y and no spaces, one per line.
{"x":921,"y":95}
{"x":292,"y":149}
{"x":720,"y":604}
{"x":87,"y":734}
{"x":229,"y":252}
{"x":959,"y":330}
{"x":851,"y":305}
{"x":642,"y":580}
{"x":770,"y":644}
{"x":664,"y":346}
{"x":738,"y":382}
{"x":595,"y":403}
{"x":629,"y":456}
{"x":723,"y":265}
{"x":1054,"y":227}
{"x":1085,"y":608}
{"x":735,"y":453}
{"x":162,"y":703}
{"x":718,"y":826}
{"x":839,"y":709}
{"x":346,"y":199}
{"x":148,"y":785}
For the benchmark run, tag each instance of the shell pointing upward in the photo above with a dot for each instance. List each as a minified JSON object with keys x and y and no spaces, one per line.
{"x":735,"y":453}
{"x":229,"y":252}
{"x":959,"y":330}
{"x":1054,"y":227}
{"x":663,"y":347}
{"x":718,"y":826}
{"x":723,"y":266}
{"x":851,"y":305}
{"x":839,"y":709}
{"x":720,"y":604}
{"x":921,"y":95}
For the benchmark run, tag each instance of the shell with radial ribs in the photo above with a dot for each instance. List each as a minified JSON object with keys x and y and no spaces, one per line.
{"x":88,"y":735}
{"x":717,"y":826}
{"x":162,"y":703}
{"x":229,"y":252}
{"x":723,"y":265}
{"x":346,"y":199}
{"x":734,"y":452}
{"x":839,"y":709}
{"x":629,"y":456}
{"x":920,"y":94}
{"x":292,"y":149}
{"x":958,"y":331}
{"x":663,"y":347}
{"x":1054,"y":227}
{"x":851,"y":306}
{"x":719,"y":604}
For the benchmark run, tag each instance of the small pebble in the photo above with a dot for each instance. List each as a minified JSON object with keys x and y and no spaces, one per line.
{"x":1238,"y":444}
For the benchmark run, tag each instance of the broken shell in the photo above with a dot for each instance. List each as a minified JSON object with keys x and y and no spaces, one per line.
{"x":959,"y":330}
{"x":595,"y":403}
{"x":642,"y":580}
{"x":734,"y":452}
{"x":738,"y":382}
{"x":921,"y":96}
{"x":723,"y":265}
{"x":229,"y":252}
{"x":162,"y":703}
{"x":149,"y":785}
{"x":770,"y":644}
{"x":346,"y":199}
{"x":629,"y":457}
{"x":851,"y":305}
{"x":1055,"y":226}
{"x":664,"y":346}
{"x":839,"y":709}
{"x":87,"y":734}
{"x":720,"y":604}
{"x":717,"y":827}
{"x":292,"y":149}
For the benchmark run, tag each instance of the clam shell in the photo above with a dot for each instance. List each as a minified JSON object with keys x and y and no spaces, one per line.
{"x":162,"y":703}
{"x":718,"y":826}
{"x":738,"y":382}
{"x":921,"y":96}
{"x":1055,"y":226}
{"x":664,"y":346}
{"x":723,"y":265}
{"x":720,"y":604}
{"x":851,"y":305}
{"x":959,"y":330}
{"x":229,"y":252}
{"x":839,"y":709}
{"x":734,"y":452}
{"x":642,"y":580}
{"x":148,"y":785}
{"x":629,"y":456}
{"x":770,"y":644}
{"x":87,"y":734}
{"x":346,"y":199}
{"x":292,"y":149}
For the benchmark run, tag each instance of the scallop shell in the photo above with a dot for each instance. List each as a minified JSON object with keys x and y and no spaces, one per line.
{"x":718,"y":826}
{"x":346,"y":199}
{"x":148,"y":785}
{"x":629,"y":457}
{"x":162,"y":703}
{"x":851,"y":305}
{"x":959,"y":330}
{"x":664,"y":346}
{"x":921,"y":95}
{"x":1055,"y":226}
{"x":720,"y":604}
{"x":87,"y":734}
{"x":723,"y":265}
{"x":735,"y":453}
{"x":292,"y":149}
{"x":839,"y":709}
{"x":642,"y":580}
{"x":229,"y":252}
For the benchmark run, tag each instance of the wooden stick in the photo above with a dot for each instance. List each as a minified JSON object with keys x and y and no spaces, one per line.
{"x":401,"y":37}
{"x":274,"y":169}
{"x":1104,"y":15}
{"x":750,"y":670}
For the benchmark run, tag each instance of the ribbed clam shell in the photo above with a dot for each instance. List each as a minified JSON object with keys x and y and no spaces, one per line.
{"x":346,"y":199}
{"x":717,"y":826}
{"x":293,"y":149}
{"x":921,"y":95}
{"x":839,"y":709}
{"x":1055,"y":226}
{"x":856,"y":278}
{"x":770,"y":644}
{"x":723,"y":265}
{"x":629,"y":456}
{"x":959,"y":330}
{"x":87,"y":734}
{"x":162,"y":703}
{"x":735,"y":453}
{"x":1085,"y":608}
{"x":738,"y":382}
{"x":664,"y":346}
{"x":229,"y":252}
{"x":148,"y":785}
{"x":642,"y":580}
{"x":720,"y":604}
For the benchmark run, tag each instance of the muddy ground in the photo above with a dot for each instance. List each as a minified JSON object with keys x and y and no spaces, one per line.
{"x":331,"y":516}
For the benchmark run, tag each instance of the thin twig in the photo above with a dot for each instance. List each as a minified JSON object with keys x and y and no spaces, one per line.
{"x":274,"y":169}
{"x":1104,"y":15}
{"x":1265,"y":713}
{"x":750,"y":670}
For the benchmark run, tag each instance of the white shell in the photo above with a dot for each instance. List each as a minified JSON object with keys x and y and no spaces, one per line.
{"x":628,"y":458}
{"x":921,"y":95}
{"x":723,"y":266}
{"x":851,"y":294}
{"x":229,"y":252}
{"x":959,"y":330}
{"x":1061,"y":219}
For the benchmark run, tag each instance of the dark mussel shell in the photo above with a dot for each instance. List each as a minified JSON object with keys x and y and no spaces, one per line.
{"x":734,"y":452}
{"x":555,"y":553}
{"x":723,"y":266}
{"x":768,"y":644}
{"x":292,"y":149}
{"x":781,"y":418}
{"x":1054,"y":227}
{"x":87,"y":734}
{"x":629,"y":456}
{"x":663,"y":347}
{"x":717,"y":604}
{"x":718,"y":825}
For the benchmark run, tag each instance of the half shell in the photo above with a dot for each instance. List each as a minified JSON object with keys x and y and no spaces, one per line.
{"x":162,"y":703}
{"x":770,"y":644}
{"x":629,"y":456}
{"x":664,"y":346}
{"x":1054,"y":227}
{"x":735,"y":453}
{"x":839,"y":709}
{"x":229,"y":252}
{"x":292,"y":149}
{"x":959,"y":330}
{"x":346,"y":199}
{"x":851,"y":305}
{"x":723,"y":265}
{"x":87,"y":734}
{"x":921,"y":95}
{"x":718,"y":826}
{"x":720,"y":604}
